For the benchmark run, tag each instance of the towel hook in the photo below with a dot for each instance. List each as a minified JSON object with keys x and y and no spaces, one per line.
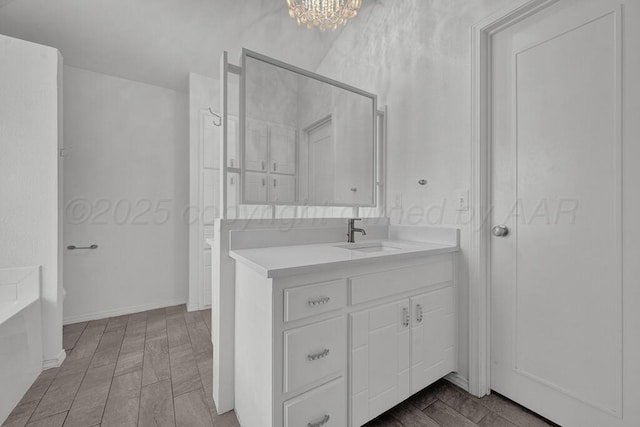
{"x":218,"y":116}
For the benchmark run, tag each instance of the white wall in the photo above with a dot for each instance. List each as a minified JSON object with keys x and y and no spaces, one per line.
{"x":126,"y":189}
{"x":415,"y":55}
{"x":30,"y":130}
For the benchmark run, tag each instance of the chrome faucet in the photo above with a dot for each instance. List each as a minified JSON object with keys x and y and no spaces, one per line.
{"x":353,"y":230}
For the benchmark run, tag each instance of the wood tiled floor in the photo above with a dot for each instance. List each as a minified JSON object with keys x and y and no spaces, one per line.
{"x":147,"y":369}
{"x":155,"y":369}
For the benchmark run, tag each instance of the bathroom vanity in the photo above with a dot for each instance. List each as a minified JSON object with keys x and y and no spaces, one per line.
{"x":334,"y":334}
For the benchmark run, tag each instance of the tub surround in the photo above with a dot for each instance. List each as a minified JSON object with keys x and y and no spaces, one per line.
{"x":20,"y":334}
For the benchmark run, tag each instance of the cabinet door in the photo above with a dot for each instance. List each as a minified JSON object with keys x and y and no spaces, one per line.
{"x":283,"y":149}
{"x":380,"y":365}
{"x":282,"y":188}
{"x":256,"y":146}
{"x":433,"y":337}
{"x":256,"y":187}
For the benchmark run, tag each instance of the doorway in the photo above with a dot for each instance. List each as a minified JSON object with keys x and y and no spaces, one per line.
{"x":550,"y":263}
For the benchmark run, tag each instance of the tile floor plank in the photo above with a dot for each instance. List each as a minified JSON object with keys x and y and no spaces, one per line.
{"x":494,"y":420}
{"x":52,"y":421}
{"x":384,"y":420}
{"x":177,"y":331}
{"x":175,"y":311}
{"x":118,"y":322}
{"x":71,"y":334}
{"x":200,"y":339}
{"x":20,"y":414}
{"x":192,"y":410}
{"x":156,"y":405}
{"x":60,"y":394}
{"x":512,"y":412}
{"x":88,"y":341}
{"x":410,"y":416}
{"x":88,"y":405}
{"x":156,"y":326}
{"x":206,"y":315}
{"x":40,"y":386}
{"x":123,"y":402}
{"x":108,"y":349}
{"x":129,"y":362}
{"x":156,"y":361}
{"x":447,"y":417}
{"x":185,"y":376}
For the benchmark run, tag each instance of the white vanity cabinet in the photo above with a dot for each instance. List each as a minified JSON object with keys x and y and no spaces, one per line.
{"x":337,"y":347}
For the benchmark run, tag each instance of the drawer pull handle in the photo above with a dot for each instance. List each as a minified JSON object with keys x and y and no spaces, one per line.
{"x":319,"y":301}
{"x":405,"y":317}
{"x":419,"y":313}
{"x":322,"y":422}
{"x":324,"y":353}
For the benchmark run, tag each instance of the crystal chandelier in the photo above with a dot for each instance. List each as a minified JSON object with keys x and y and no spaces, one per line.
{"x":324,"y":14}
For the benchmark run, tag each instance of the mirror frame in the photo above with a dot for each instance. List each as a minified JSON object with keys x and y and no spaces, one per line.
{"x":309,"y":74}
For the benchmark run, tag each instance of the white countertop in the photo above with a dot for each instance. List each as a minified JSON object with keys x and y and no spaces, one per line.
{"x":298,"y":259}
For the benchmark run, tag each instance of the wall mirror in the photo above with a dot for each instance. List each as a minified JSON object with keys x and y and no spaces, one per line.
{"x":304,"y":139}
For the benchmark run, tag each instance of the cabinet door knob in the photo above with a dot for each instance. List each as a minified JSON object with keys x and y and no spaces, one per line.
{"x":262,"y":164}
{"x":275,"y":166}
{"x":405,"y":317}
{"x":320,"y":423}
{"x":419,"y":313}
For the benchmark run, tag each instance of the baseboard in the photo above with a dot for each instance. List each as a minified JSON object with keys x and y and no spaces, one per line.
{"x":55,"y":362}
{"x":119,"y":311}
{"x":456,"y":379}
{"x":196,"y":307}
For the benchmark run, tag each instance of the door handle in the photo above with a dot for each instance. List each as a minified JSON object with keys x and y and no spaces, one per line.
{"x":405,"y":317}
{"x":500,"y":230}
{"x":74,"y":247}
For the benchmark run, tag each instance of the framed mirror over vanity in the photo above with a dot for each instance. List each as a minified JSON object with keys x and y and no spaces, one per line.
{"x":305,"y":139}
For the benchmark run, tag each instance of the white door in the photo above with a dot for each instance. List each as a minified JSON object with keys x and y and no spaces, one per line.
{"x":432,"y":337}
{"x":321,"y":164}
{"x":380,"y":365}
{"x":557,"y":319}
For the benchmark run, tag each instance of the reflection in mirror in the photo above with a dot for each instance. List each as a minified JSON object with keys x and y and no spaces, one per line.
{"x":307,"y":140}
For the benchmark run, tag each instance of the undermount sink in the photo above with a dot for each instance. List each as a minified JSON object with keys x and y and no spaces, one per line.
{"x":369,"y":247}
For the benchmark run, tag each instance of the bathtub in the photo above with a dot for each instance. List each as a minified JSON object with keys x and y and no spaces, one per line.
{"x":20,"y":334}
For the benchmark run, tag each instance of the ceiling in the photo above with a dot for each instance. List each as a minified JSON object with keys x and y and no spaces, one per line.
{"x":160,"y":41}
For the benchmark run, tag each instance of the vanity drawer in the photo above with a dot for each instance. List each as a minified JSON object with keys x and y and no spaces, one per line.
{"x":314,"y":352}
{"x":324,"y":406}
{"x":370,"y":287}
{"x":309,"y":300}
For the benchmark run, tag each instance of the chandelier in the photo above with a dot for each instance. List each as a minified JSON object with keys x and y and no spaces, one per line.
{"x":324,"y":14}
